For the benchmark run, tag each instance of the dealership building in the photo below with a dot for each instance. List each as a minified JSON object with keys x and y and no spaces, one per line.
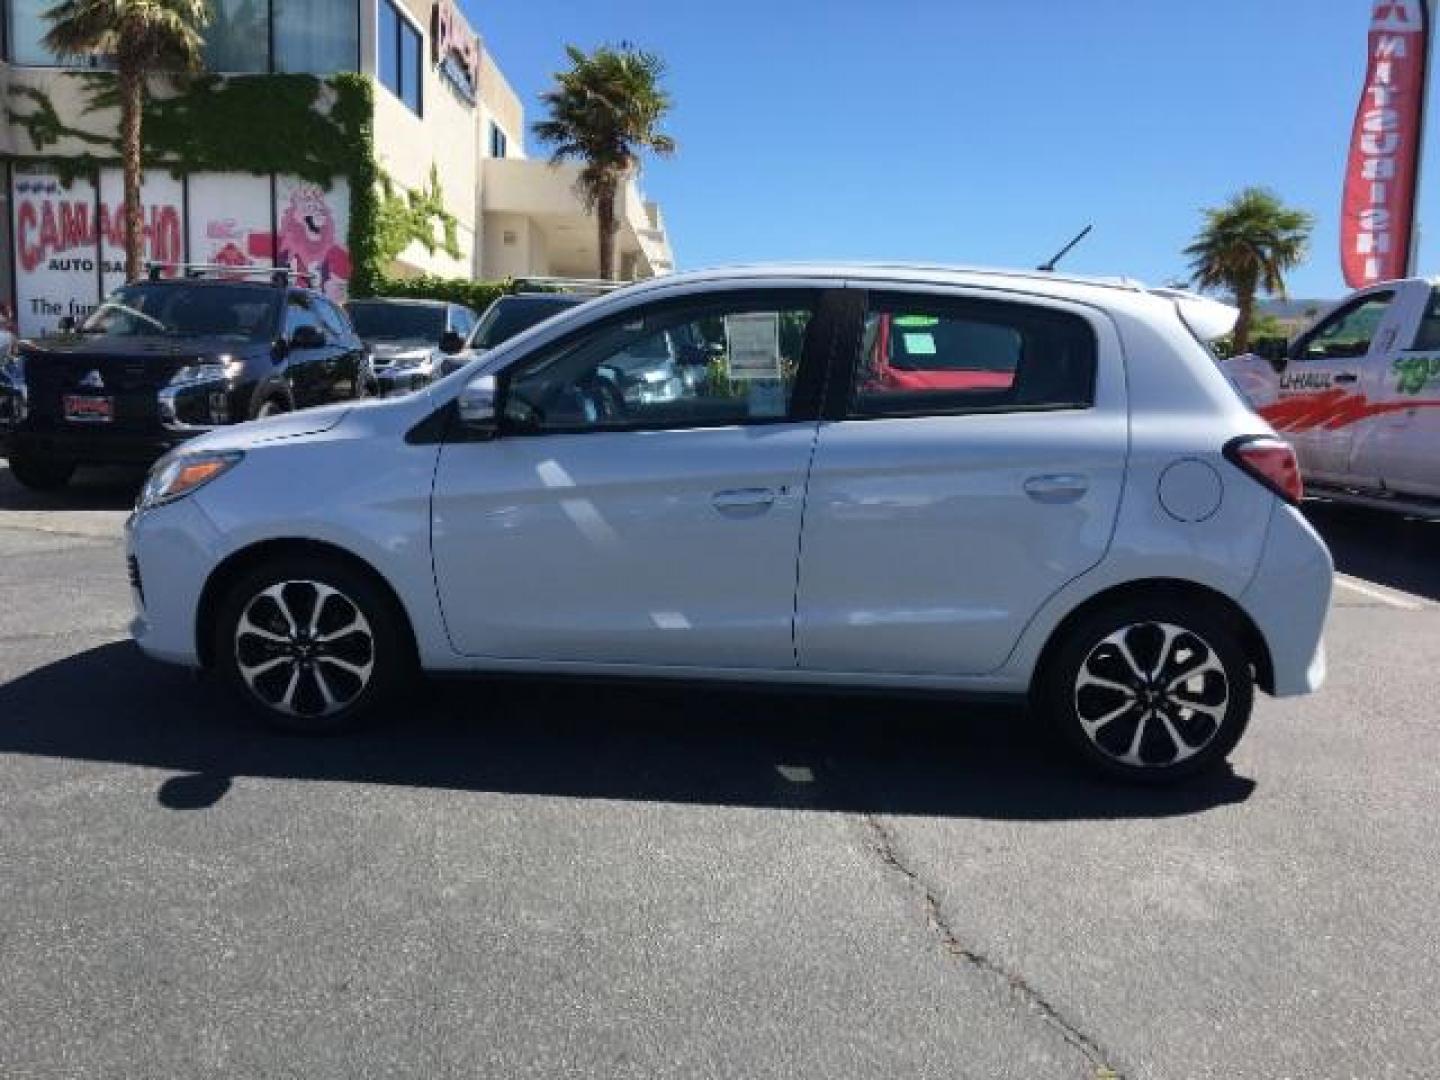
{"x":353,"y":139}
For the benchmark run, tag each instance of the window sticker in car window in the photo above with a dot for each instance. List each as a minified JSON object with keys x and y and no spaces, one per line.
{"x":920,"y":344}
{"x":752,"y":342}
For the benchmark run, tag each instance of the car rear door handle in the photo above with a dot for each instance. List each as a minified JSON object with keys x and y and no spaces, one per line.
{"x":743,"y":502}
{"x":1057,"y":487}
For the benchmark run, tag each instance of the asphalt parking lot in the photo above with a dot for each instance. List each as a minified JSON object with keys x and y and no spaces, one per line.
{"x":522,"y":880}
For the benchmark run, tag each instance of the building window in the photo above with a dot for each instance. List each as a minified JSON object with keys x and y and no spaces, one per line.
{"x":398,"y":46}
{"x":316,"y":37}
{"x":498,"y":142}
{"x":238,"y":38}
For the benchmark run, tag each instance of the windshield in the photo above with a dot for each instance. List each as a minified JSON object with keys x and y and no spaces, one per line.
{"x":398,"y":322}
{"x":240,"y":313}
{"x":506,"y":318}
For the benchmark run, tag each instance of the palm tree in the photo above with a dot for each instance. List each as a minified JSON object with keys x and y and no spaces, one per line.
{"x":605,"y":111}
{"x":142,"y":36}
{"x":1246,"y":247}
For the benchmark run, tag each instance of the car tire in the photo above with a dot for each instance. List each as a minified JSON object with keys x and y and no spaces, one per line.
{"x":271,"y":407}
{"x":41,"y":474}
{"x":312,"y":646}
{"x":1150,"y":691}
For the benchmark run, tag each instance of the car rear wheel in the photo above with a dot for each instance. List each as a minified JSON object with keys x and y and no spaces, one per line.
{"x":41,"y":474}
{"x":310,"y":646}
{"x":1151,"y":690}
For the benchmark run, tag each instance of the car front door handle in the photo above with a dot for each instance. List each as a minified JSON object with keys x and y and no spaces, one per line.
{"x":743,"y":502}
{"x":1057,"y":487}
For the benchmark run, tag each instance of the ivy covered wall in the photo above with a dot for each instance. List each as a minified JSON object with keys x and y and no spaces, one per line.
{"x":300,"y":125}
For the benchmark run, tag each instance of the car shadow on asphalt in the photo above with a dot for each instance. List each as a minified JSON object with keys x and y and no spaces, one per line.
{"x":897,"y":756}
{"x":1386,"y":548}
{"x":111,"y":488}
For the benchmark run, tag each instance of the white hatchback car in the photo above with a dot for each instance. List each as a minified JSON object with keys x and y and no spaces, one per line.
{"x":988,"y":483}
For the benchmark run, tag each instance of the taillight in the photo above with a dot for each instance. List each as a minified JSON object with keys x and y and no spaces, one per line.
{"x":1270,"y":461}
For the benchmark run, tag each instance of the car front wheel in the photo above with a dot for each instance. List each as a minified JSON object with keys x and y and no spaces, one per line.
{"x":1150,"y":691}
{"x":312,"y":647}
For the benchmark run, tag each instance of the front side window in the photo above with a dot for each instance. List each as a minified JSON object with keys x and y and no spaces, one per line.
{"x":1428,"y":336}
{"x":1348,"y":332}
{"x":398,"y":48}
{"x":337,"y":327}
{"x":316,"y":37}
{"x":298,"y":313}
{"x":924,"y":355}
{"x":713,"y":363}
{"x":236,"y":313}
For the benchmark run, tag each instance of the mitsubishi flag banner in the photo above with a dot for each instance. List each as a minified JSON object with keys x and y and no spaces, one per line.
{"x":1378,"y":216}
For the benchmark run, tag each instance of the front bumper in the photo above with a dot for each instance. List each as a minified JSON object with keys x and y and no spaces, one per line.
{"x":1289,"y":600}
{"x":170,"y":553}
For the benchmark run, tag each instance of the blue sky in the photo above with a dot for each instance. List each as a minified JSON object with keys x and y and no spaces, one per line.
{"x":979,"y":131}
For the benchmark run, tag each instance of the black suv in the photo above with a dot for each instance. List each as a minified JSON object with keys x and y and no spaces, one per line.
{"x":166,"y":359}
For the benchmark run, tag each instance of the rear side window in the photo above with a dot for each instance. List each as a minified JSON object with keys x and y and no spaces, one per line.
{"x":1428,"y":336}
{"x":929,"y":355}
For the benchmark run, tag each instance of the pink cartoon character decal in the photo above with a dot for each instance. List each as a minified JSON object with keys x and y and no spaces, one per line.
{"x":310,"y":243}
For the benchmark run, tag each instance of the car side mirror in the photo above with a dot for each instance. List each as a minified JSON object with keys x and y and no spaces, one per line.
{"x":476,"y":406}
{"x":67,"y":324}
{"x":307,"y":337}
{"x":452,"y":343}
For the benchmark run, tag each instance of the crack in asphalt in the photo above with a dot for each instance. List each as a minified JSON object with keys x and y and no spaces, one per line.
{"x":883,"y":843}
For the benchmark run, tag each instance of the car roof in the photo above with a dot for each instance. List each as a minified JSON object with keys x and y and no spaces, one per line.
{"x":1113,"y":294}
{"x":401,"y":301}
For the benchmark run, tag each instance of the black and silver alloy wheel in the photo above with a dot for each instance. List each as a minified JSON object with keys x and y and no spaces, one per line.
{"x":1151,"y":694}
{"x":312,"y":644}
{"x":1151,"y":690}
{"x":304,"y":649}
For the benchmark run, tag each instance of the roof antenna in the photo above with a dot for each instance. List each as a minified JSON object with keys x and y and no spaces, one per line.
{"x":1049,"y":267}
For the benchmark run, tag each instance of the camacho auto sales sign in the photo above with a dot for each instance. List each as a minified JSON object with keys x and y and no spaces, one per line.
{"x":1377,"y":218}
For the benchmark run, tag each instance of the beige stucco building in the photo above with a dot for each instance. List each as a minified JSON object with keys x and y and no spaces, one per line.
{"x":447,"y":127}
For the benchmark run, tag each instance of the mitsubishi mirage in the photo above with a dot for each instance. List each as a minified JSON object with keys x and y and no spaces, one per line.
{"x":1073,"y":507}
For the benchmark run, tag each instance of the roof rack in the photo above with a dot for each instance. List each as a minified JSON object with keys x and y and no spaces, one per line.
{"x":594,"y":286}
{"x":279,"y":275}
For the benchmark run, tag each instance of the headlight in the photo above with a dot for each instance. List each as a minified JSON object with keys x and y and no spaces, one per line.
{"x":410,"y":361}
{"x":177,"y":475}
{"x":208,"y":371}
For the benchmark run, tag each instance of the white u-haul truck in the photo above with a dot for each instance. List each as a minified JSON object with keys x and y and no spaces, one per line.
{"x":1358,"y":395}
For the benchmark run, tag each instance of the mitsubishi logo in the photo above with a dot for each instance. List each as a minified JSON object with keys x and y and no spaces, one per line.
{"x":1396,"y":15}
{"x":93,"y":381}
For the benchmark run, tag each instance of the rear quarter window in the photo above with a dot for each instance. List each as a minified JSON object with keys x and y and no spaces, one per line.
{"x":936,"y":356}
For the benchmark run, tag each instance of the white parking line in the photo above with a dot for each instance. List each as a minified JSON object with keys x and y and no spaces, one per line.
{"x":1394,"y":599}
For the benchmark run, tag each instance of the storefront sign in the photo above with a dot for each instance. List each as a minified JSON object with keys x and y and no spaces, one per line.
{"x":230,"y":220}
{"x":456,"y":50}
{"x":163,"y":198}
{"x":70,"y":240}
{"x":57,"y":261}
{"x":1378,"y":215}
{"x":313,"y":227}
